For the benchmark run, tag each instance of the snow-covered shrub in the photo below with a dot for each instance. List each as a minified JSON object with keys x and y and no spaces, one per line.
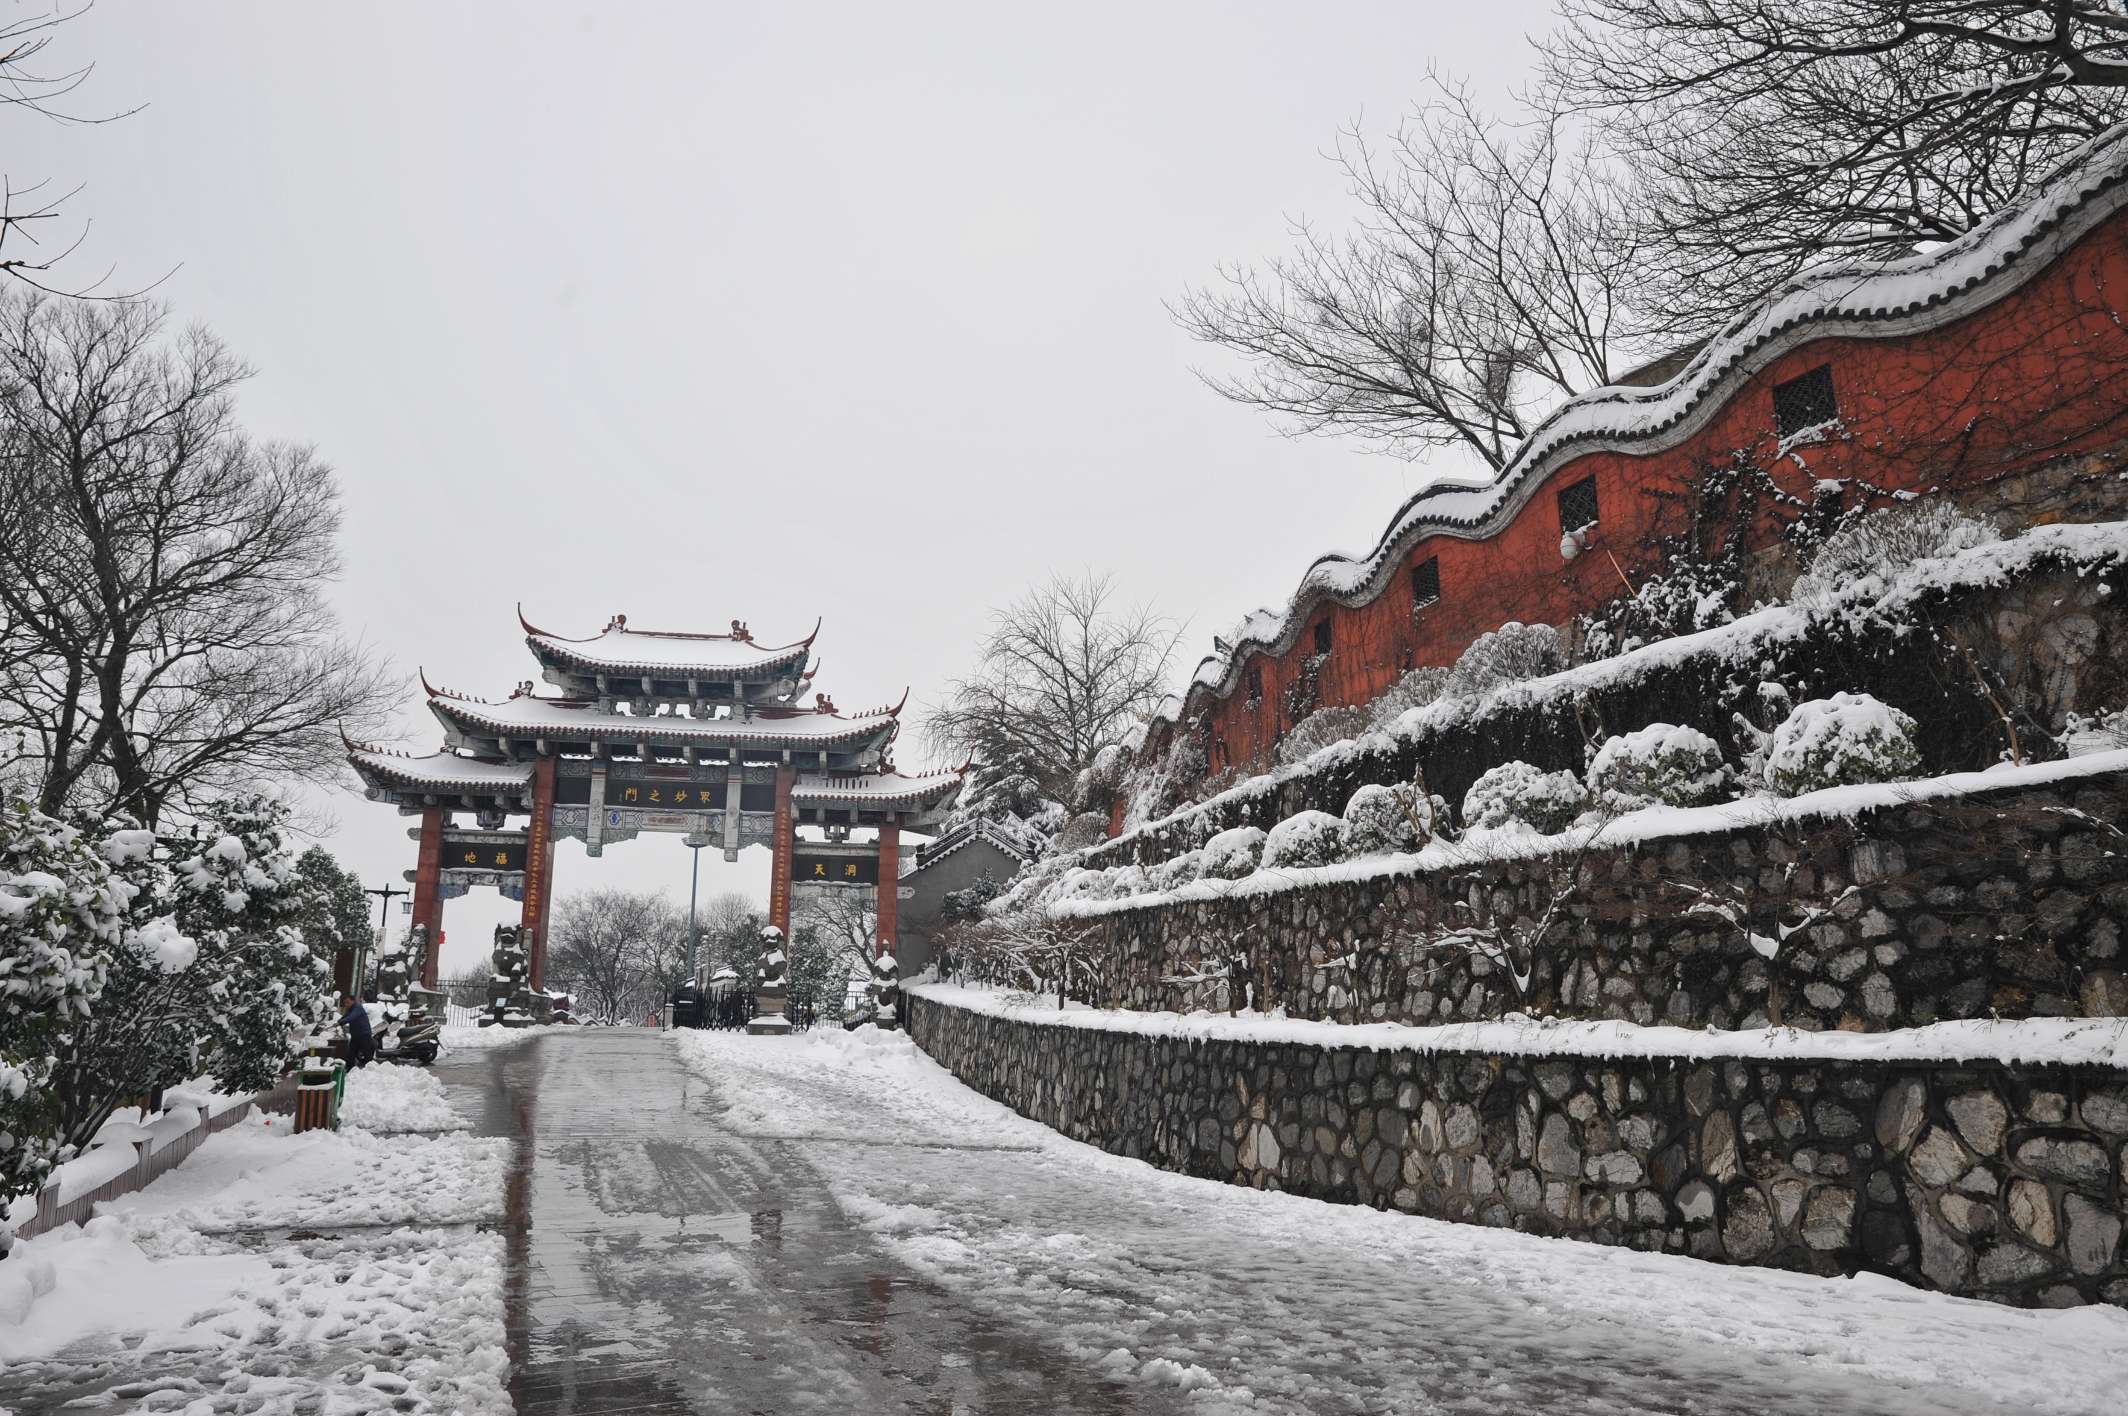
{"x":1517,"y":794}
{"x":243,"y":899}
{"x":1096,"y":786}
{"x":1510,"y":654}
{"x":1088,"y":828}
{"x":1385,"y":820}
{"x":1414,"y":690}
{"x":1321,"y":729}
{"x":1232,"y":854}
{"x":61,"y":917}
{"x":2085,"y":733}
{"x":1304,"y":838}
{"x":1115,"y":883}
{"x":1173,"y":873}
{"x":213,"y":972}
{"x":1840,"y":741}
{"x":1888,"y":539}
{"x":1659,"y":765}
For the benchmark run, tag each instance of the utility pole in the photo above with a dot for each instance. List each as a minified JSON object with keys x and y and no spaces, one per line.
{"x":384,"y":906}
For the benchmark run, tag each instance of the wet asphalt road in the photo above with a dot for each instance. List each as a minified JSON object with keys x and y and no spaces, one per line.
{"x":659,"y":1261}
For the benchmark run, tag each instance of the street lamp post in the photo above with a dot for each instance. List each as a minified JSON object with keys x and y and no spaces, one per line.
{"x":694,"y":841}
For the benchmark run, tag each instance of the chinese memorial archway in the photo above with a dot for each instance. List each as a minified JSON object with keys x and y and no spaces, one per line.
{"x":699,"y":735}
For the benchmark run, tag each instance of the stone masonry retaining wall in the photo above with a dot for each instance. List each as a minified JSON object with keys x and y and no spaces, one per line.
{"x":1975,"y":1178}
{"x":2008,"y":903}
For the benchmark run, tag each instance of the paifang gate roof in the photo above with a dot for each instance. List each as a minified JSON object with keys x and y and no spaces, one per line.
{"x":529,"y":717}
{"x":667,"y":654}
{"x":445,"y":772}
{"x":875,"y":790}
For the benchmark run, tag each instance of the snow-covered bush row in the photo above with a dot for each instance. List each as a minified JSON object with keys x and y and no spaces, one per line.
{"x":1844,"y":740}
{"x":1515,"y":794}
{"x":1867,"y":621}
{"x":130,"y":960}
{"x":1662,"y":764}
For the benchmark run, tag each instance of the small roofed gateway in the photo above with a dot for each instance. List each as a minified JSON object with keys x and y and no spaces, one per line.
{"x":700,"y":735}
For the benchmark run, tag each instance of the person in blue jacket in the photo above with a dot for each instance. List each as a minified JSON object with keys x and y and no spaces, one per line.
{"x":361,"y":1047}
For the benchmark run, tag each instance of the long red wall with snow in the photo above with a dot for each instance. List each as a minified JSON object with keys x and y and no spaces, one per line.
{"x":2036,"y":376}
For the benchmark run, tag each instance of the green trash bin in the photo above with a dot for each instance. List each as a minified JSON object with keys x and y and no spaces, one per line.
{"x":320,"y":1087}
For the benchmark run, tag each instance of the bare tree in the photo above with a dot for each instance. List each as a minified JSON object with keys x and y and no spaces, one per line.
{"x":164,"y":634}
{"x":611,"y":948}
{"x":845,"y":920}
{"x":29,"y":250}
{"x":1776,"y":136}
{"x":1488,"y":278}
{"x":1033,"y":953}
{"x":1064,"y":672}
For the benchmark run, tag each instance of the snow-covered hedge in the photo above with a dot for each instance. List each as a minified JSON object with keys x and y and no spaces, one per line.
{"x":1843,"y":740}
{"x":1308,"y":838}
{"x":1233,"y":854}
{"x":1516,"y":794}
{"x":1662,"y":764}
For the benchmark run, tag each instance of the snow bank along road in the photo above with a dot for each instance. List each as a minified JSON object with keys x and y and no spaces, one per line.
{"x":1195,"y":1296}
{"x":328,"y":1273}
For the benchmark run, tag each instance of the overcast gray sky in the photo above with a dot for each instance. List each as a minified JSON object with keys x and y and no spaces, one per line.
{"x":704,"y":311}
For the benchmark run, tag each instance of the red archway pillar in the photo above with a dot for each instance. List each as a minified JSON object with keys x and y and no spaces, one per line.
{"x":783,"y":844}
{"x":428,"y":896}
{"x":539,"y":869}
{"x":889,"y":888}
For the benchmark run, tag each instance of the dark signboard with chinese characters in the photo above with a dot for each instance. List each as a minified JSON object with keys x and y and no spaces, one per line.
{"x":666,"y":796}
{"x":488,"y":851}
{"x":814,"y":868}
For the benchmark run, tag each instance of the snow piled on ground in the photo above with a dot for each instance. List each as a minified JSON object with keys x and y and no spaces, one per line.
{"x":393,"y":1098}
{"x":2099,"y":1042}
{"x":336,"y":1272}
{"x":1240,"y":1300}
{"x":479,"y":1039}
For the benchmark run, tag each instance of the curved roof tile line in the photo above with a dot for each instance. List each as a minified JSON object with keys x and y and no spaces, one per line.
{"x":1884,"y":299}
{"x":535,"y":631}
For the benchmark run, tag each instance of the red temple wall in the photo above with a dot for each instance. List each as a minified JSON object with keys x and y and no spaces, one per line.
{"x":2036,"y":376}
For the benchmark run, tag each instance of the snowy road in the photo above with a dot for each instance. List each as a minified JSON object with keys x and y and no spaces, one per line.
{"x":657,"y":1259}
{"x":1203,"y":1297}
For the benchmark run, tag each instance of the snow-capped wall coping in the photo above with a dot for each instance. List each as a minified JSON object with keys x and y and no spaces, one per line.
{"x":1651,"y":824}
{"x":1887,"y":298}
{"x":2068,"y":1042}
{"x":2098,"y":546}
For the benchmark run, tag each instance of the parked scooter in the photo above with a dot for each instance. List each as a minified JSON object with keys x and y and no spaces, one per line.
{"x":417,"y":1040}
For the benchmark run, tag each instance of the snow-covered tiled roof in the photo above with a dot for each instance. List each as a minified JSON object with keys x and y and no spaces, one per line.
{"x":529,"y":716}
{"x":447,"y":770}
{"x":875,"y":789}
{"x":1866,"y":299}
{"x":620,"y":649}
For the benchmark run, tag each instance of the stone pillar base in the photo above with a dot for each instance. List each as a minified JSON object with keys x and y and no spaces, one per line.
{"x":769,"y":1018}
